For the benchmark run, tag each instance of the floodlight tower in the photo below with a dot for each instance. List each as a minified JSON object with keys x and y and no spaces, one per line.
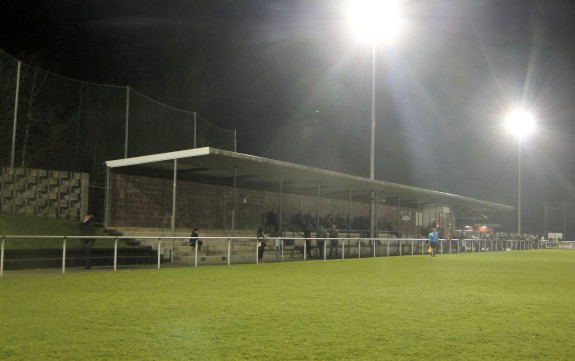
{"x":520,"y":123}
{"x":376,"y":22}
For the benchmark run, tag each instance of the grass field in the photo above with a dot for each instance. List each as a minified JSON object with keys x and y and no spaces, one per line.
{"x":19,"y":224}
{"x":498,"y":306}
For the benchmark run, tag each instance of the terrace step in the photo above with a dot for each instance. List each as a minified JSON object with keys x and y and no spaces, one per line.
{"x":237,"y":258}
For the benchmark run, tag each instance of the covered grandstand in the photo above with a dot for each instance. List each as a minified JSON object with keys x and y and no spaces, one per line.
{"x":225,"y":177}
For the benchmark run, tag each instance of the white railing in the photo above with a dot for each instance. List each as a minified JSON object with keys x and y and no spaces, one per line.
{"x":160,"y":251}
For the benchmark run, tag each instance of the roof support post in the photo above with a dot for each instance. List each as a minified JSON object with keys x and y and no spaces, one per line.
{"x":107,"y":200}
{"x":173,"y":223}
{"x":435,"y":216}
{"x":127,"y":125}
{"x":419,"y":219}
{"x":451,"y":224}
{"x":195,"y":131}
{"x":349,"y":214}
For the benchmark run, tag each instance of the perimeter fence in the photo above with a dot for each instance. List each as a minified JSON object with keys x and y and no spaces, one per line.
{"x":116,"y":252}
{"x":48,"y":121}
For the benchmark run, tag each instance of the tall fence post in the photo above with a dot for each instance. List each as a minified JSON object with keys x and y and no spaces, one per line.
{"x":2,"y":257}
{"x":159,"y":252}
{"x":116,"y":253}
{"x":15,"y":123}
{"x":196,"y":252}
{"x":127,"y":128}
{"x":229,"y":250}
{"x":196,"y":131}
{"x":64,"y":255}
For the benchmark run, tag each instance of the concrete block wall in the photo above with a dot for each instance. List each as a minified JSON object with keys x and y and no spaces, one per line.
{"x":42,"y":192}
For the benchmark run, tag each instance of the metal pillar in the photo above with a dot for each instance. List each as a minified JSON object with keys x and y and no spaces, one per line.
{"x":349,"y":215}
{"x":398,"y":216}
{"x":519,"y":192}
{"x":126,"y":138}
{"x":318,"y":204}
{"x":372,"y":146}
{"x":15,"y":123}
{"x":173,"y":223}
{"x":234,"y":196}
{"x":280,"y":211}
{"x":195,"y":131}
{"x":107,"y":200}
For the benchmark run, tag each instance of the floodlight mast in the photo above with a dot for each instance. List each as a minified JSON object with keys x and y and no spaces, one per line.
{"x":520,"y":123}
{"x":377,"y":22}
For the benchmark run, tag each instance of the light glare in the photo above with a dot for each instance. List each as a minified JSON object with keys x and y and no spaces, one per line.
{"x":520,"y":122}
{"x":374,"y":20}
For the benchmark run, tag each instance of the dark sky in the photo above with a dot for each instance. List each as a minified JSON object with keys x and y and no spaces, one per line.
{"x":297,"y":87}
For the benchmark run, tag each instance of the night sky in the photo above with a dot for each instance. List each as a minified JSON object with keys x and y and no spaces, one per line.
{"x":291,"y":79}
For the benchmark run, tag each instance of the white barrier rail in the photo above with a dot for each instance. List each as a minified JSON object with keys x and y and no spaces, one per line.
{"x":233,"y":250}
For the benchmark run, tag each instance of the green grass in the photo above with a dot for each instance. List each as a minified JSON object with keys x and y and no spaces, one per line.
{"x":497,"y":306}
{"x":18,"y":224}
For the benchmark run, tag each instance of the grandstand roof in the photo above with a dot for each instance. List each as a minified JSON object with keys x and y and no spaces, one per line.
{"x":218,"y":166}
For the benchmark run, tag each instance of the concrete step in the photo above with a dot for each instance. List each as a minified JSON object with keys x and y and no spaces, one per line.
{"x":181,"y":232}
{"x":236,"y":258}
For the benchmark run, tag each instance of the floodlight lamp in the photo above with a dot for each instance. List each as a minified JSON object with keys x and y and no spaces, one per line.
{"x":520,"y":122}
{"x":374,"y":20}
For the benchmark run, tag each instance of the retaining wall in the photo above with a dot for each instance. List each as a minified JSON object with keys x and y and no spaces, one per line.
{"x":42,"y":192}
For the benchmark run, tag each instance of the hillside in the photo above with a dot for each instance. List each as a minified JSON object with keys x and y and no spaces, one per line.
{"x":22,"y":225}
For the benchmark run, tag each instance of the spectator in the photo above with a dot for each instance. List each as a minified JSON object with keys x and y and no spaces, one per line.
{"x":273,"y":220}
{"x":261,"y":242}
{"x":307,"y":236}
{"x":320,"y":236}
{"x":87,"y":229}
{"x":278,"y":246}
{"x":333,"y":242}
{"x":194,"y":240}
{"x":433,"y":238}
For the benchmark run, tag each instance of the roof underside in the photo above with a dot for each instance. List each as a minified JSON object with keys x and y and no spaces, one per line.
{"x":217,"y":166}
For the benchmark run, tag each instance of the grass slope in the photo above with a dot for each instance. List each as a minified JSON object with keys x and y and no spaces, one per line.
{"x":18,"y":224}
{"x":22,"y":225}
{"x":500,"y":306}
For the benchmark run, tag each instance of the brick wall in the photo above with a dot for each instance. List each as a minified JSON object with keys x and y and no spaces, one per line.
{"x":42,"y":192}
{"x":145,"y":201}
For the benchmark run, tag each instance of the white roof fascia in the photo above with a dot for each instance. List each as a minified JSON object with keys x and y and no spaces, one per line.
{"x":158,"y":157}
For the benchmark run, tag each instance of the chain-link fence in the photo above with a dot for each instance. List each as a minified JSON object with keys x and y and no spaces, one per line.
{"x":52,"y":122}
